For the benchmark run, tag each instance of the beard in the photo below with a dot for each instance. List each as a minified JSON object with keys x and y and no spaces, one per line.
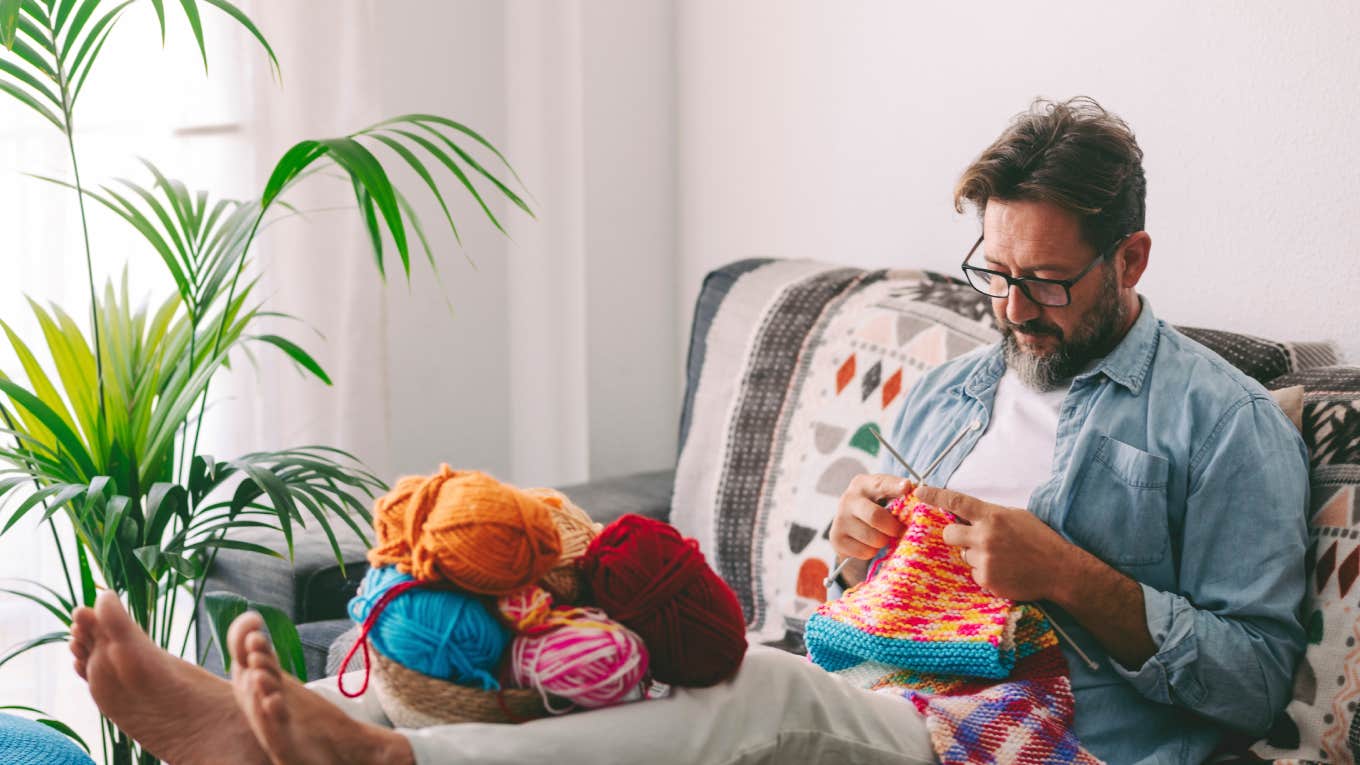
{"x":1094,"y":337}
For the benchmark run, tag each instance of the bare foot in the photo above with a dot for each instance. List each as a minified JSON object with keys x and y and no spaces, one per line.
{"x":294,"y":725}
{"x":177,"y":711}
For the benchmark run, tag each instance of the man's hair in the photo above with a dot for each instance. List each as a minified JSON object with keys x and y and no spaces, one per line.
{"x":1073,"y":154}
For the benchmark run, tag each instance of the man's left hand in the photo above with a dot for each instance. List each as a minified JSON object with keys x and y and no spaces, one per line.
{"x":1012,"y":553}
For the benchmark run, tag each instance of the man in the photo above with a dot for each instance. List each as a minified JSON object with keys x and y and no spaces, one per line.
{"x":1124,"y":473}
{"x":1163,"y":491}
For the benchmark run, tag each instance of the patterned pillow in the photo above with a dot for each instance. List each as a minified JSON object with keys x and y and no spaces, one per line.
{"x":1320,"y":724}
{"x":797,"y":362}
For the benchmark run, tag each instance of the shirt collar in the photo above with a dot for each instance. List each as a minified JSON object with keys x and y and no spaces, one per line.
{"x":1127,"y":364}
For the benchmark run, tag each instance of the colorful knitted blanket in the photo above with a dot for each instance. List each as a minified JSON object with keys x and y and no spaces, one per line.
{"x":987,"y":673}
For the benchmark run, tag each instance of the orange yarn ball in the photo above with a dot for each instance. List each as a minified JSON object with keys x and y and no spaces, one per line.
{"x":468,"y":529}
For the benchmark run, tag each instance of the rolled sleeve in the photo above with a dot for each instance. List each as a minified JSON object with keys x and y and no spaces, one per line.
{"x":1228,"y":641}
{"x":1170,"y":622}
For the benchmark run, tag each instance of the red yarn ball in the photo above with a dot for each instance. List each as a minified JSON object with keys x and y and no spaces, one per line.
{"x":654,"y":581}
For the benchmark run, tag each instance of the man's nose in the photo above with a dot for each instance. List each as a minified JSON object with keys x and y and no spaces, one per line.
{"x":1019,"y":308}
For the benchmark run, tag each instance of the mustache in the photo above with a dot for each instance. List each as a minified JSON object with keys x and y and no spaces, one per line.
{"x":1033,"y":327}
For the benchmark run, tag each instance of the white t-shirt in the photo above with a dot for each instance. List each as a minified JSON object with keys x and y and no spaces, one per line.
{"x":1015,"y":453}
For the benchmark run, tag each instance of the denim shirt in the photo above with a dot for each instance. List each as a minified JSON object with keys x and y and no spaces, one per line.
{"x":1181,"y":472}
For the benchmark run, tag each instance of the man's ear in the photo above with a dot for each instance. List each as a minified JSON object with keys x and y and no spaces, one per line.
{"x":1133,"y":259}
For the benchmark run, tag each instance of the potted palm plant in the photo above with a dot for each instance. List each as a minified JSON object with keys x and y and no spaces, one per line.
{"x":100,"y":423}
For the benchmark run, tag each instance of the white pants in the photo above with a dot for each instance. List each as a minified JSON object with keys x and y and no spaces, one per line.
{"x":779,"y":708}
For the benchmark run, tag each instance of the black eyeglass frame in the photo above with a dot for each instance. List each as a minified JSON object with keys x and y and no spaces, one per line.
{"x":1023,"y":282}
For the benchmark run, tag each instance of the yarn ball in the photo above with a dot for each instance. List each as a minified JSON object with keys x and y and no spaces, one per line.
{"x":643,"y":573}
{"x":576,"y":530}
{"x":444,"y":634}
{"x":574,"y":525}
{"x":468,"y":529}
{"x":525,"y":609}
{"x":582,"y":656}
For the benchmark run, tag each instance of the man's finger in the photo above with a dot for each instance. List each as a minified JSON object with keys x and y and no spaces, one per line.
{"x":962,"y":505}
{"x":853,"y":548}
{"x":958,"y":535}
{"x":882,"y":486}
{"x":878,"y":518}
{"x":860,"y":531}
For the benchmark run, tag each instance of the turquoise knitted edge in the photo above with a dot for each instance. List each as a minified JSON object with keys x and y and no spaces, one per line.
{"x":835,"y":646}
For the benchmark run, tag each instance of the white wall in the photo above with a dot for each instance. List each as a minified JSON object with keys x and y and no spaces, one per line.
{"x":836,"y":131}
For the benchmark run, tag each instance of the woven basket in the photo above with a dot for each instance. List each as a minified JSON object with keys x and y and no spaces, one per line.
{"x":414,"y":700}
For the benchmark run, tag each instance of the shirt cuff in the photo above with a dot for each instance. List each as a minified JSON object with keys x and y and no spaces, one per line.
{"x":1170,"y":622}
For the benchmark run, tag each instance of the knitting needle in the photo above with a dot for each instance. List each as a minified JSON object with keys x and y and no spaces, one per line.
{"x":920,"y":481}
{"x":1063,"y":634}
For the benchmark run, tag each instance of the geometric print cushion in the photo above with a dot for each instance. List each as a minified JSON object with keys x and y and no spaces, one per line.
{"x":799,"y":360}
{"x":1320,"y":724}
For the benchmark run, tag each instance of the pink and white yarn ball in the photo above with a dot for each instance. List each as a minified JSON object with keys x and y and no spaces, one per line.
{"x":582,"y":656}
{"x":525,"y":609}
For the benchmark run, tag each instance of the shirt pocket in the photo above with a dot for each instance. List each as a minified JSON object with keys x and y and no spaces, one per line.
{"x":1119,"y":510}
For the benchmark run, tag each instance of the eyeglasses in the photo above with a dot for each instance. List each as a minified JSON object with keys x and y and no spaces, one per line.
{"x":1054,"y":293}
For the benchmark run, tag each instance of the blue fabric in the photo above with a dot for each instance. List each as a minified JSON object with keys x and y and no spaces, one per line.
{"x":1181,"y":472}
{"x":25,"y":742}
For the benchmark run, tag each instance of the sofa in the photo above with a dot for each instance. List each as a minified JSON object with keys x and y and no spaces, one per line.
{"x":790,"y":364}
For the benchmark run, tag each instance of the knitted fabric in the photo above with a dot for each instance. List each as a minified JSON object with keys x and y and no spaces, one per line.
{"x":923,"y":629}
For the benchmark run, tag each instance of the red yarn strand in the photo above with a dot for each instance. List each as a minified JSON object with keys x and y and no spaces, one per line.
{"x":371,"y":620}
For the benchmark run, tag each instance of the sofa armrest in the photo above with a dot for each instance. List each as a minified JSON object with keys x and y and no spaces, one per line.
{"x":606,"y":499}
{"x":311,"y":587}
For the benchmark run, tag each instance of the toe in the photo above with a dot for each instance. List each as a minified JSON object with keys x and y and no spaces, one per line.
{"x":241,"y":628}
{"x":79,"y":648}
{"x":83,"y":624}
{"x":80,"y":668}
{"x":112,"y":619}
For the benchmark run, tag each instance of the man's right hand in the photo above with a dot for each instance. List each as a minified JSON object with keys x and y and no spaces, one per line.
{"x":862,"y":525}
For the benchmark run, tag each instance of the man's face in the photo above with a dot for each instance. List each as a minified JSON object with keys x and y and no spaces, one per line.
{"x":1047,"y":345}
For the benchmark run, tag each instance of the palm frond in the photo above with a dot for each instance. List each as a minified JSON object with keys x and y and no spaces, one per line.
{"x":50,"y":47}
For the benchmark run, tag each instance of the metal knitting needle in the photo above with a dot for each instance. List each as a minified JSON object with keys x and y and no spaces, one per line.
{"x":920,"y":481}
{"x":1063,"y":634}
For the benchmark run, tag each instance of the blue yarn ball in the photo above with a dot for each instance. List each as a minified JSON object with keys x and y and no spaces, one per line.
{"x":443,"y":634}
{"x":25,"y":742}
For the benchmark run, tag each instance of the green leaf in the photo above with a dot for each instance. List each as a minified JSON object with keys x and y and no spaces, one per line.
{"x":360,"y":163}
{"x":62,"y":13}
{"x":191,"y":11}
{"x":37,"y":642}
{"x":88,"y":592}
{"x":64,"y":730}
{"x":297,"y":354}
{"x":289,"y":167}
{"x":53,"y":422}
{"x":159,"y":6}
{"x":27,"y":99}
{"x":424,"y":174}
{"x":9,"y":21}
{"x":152,"y":559}
{"x":245,"y":21}
{"x":62,"y":614}
{"x":287,"y":643}
{"x":222,"y":609}
{"x":23,"y":75}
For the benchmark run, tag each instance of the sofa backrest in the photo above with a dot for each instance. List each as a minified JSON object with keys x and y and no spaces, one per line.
{"x":790,"y":363}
